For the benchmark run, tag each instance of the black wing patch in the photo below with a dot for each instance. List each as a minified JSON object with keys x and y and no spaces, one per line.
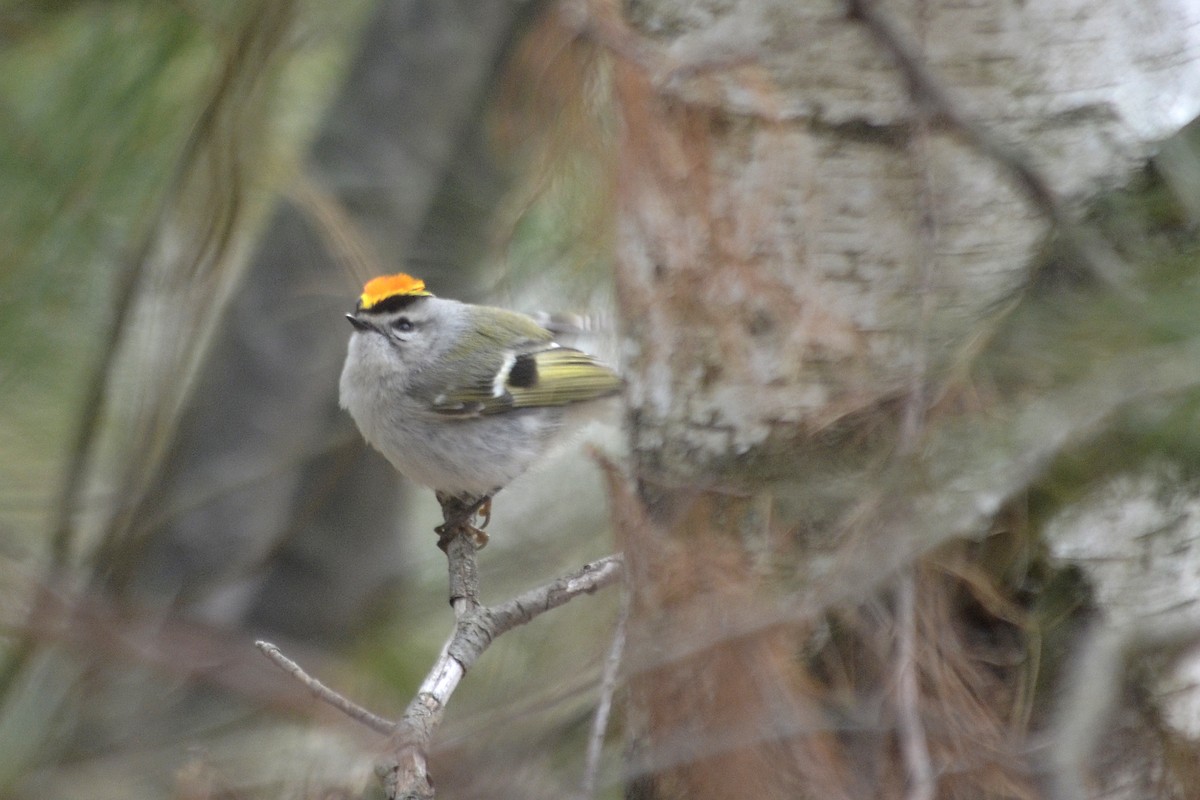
{"x":524,"y":372}
{"x":556,"y":376}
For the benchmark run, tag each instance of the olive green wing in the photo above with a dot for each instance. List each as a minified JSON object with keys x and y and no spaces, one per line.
{"x":541,"y":377}
{"x":557,"y":377}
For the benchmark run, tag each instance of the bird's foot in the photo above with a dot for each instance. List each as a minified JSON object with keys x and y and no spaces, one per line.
{"x":459,"y":514}
{"x":484,"y":510}
{"x":446,"y":535}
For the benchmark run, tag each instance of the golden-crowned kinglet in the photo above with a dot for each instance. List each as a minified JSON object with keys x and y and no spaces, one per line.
{"x":461,"y":398}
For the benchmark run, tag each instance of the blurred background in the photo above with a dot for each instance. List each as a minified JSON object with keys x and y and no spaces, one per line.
{"x":193,"y":195}
{"x":912,"y":401}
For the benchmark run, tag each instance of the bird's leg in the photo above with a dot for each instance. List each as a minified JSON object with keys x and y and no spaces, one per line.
{"x":457,"y":513}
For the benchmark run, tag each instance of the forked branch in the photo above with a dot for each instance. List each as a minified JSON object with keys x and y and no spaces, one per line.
{"x":404,"y":770}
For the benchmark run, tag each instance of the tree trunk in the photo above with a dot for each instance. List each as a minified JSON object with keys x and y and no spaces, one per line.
{"x":839,"y":234}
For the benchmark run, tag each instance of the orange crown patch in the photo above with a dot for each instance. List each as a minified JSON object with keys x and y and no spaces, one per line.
{"x":379,"y":289}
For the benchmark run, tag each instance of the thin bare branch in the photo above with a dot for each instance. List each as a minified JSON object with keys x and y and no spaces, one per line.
{"x":608,"y":687}
{"x":405,"y":772}
{"x":524,"y":607}
{"x":922,"y":784}
{"x":323,"y":692}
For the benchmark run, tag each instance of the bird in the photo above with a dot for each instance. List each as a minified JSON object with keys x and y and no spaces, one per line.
{"x":459,"y":397}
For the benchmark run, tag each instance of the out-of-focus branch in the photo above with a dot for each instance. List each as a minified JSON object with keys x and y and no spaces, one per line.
{"x":608,"y":687}
{"x":669,"y":71}
{"x":927,"y":90}
{"x":1092,"y":691}
{"x":979,"y":467}
{"x":913,"y":744}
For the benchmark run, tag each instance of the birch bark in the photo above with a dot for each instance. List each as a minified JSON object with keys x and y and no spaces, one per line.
{"x":811,"y":256}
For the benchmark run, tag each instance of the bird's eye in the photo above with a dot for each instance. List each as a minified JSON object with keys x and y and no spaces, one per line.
{"x":402,"y":324}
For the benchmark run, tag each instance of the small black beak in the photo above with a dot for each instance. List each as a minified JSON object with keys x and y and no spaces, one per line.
{"x":359,"y":325}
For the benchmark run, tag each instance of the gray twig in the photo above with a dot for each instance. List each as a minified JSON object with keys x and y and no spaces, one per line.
{"x":608,"y":687}
{"x":913,"y":744}
{"x":405,"y":772}
{"x":1093,"y":692}
{"x":323,"y":692}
